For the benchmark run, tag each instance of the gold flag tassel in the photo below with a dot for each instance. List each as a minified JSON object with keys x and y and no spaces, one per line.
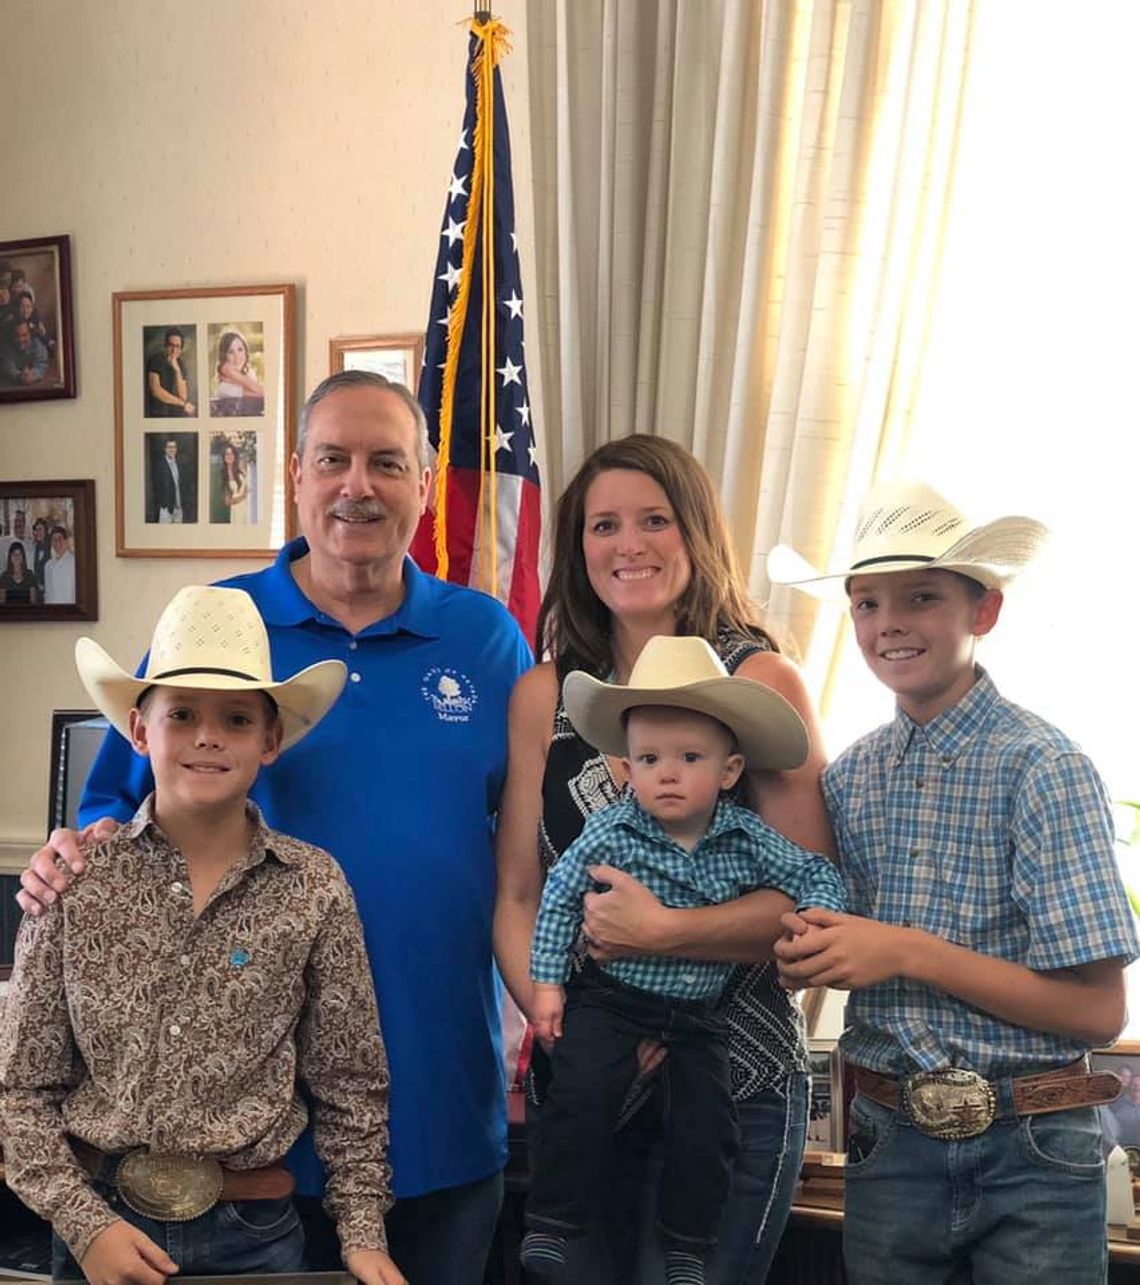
{"x":492,"y":36}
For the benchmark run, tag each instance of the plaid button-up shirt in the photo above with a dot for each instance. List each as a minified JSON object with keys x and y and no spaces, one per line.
{"x":989,"y":828}
{"x":737,"y":854}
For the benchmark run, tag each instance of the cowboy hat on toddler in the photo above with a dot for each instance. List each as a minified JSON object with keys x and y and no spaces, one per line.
{"x":685,"y":673}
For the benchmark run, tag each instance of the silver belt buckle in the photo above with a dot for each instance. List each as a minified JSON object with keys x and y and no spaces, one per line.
{"x":172,"y":1189}
{"x":949,"y":1104}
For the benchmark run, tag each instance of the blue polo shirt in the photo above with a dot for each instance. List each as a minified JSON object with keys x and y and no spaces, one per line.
{"x":400,"y":782}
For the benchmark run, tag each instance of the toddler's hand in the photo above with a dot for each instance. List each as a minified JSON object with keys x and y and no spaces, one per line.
{"x":546,"y":1013}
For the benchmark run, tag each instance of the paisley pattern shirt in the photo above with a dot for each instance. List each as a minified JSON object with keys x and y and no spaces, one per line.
{"x":130,"y":1023}
{"x":766,"y":1027}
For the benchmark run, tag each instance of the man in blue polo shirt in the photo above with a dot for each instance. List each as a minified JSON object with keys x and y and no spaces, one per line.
{"x":400,"y":782}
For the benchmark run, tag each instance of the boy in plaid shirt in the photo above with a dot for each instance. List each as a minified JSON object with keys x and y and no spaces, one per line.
{"x":684,"y":730}
{"x":989,"y":935}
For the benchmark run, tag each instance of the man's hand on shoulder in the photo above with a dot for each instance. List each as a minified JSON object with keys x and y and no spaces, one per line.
{"x":123,"y":1255}
{"x":43,"y":881}
{"x":825,"y":948}
{"x":374,"y":1267}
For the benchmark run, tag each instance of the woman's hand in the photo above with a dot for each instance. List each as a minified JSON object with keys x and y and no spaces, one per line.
{"x":626,"y":919}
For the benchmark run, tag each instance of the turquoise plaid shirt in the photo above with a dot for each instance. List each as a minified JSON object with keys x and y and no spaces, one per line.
{"x":989,"y":828}
{"x":737,"y":854}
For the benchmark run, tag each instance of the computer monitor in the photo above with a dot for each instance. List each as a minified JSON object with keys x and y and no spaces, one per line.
{"x":76,"y":735}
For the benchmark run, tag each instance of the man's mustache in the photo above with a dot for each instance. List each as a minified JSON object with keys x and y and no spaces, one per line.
{"x":356,"y":510}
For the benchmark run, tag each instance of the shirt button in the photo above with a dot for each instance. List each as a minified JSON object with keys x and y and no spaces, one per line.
{"x":352,"y":645}
{"x":916,"y":852}
{"x":688,"y":979}
{"x":354,"y":676}
{"x":947,"y":760}
{"x":918,"y":784}
{"x":175,"y":1029}
{"x":184,"y":960}
{"x":176,"y":886}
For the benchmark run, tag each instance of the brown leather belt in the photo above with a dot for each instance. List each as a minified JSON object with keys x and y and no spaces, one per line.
{"x":178,"y":1188}
{"x":961,"y":1104}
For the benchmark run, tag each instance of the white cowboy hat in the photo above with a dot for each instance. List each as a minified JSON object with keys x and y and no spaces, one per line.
{"x":213,"y":640}
{"x":904,"y":526}
{"x":685,"y":673}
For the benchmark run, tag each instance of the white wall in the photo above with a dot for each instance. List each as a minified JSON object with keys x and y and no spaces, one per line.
{"x":216,"y":142}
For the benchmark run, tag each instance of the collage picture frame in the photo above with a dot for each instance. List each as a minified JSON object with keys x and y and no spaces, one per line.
{"x":204,"y":421}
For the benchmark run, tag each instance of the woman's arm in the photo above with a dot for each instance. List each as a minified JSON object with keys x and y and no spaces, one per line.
{"x":243,"y":379}
{"x":529,"y":721}
{"x":629,"y":920}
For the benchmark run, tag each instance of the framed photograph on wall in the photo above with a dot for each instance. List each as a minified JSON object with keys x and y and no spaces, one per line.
{"x":397,"y":357}
{"x":47,"y":551}
{"x":37,"y":343}
{"x":204,"y":405}
{"x":825,"y":1129}
{"x":1120,"y":1120}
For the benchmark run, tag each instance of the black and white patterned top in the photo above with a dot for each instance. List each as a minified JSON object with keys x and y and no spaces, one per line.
{"x":767,"y":1036}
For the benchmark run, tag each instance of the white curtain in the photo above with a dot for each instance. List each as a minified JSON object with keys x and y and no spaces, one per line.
{"x":740,"y":208}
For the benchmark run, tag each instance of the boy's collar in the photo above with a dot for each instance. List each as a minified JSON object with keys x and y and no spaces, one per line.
{"x":259,"y":845}
{"x":724,"y":818}
{"x":949,"y":733}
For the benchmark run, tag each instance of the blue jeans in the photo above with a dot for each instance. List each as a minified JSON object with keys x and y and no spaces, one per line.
{"x":441,"y":1238}
{"x":1021,"y":1204}
{"x":233,"y":1238}
{"x":773,"y":1124}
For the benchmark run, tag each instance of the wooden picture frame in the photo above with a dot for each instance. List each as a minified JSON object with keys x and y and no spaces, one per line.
{"x":54,"y":523}
{"x":1120,"y":1120}
{"x":397,"y":357}
{"x":205,"y":389}
{"x":35,"y":292}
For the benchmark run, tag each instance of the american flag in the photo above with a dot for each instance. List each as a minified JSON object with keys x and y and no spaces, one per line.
{"x":482,"y":523}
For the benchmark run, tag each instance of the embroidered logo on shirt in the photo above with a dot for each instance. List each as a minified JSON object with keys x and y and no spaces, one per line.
{"x":450,"y":693}
{"x":239,"y":957}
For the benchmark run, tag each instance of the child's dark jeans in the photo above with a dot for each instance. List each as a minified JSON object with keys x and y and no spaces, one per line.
{"x":594,"y":1064}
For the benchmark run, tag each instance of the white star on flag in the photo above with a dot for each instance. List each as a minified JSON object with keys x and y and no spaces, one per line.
{"x":530,"y":450}
{"x":524,"y":413}
{"x":462,"y":141}
{"x":513,"y":305}
{"x":451,"y":275}
{"x":502,"y":440}
{"x":455,"y":189}
{"x":454,"y":231}
{"x":510,"y":373}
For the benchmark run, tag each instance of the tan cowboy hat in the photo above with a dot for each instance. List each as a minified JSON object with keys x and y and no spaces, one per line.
{"x":213,"y":640}
{"x":904,"y":526}
{"x":685,"y":673}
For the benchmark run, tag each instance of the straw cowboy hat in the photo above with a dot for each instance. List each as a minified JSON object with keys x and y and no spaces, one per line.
{"x":686,"y":673}
{"x":212,"y":640}
{"x":904,"y":526}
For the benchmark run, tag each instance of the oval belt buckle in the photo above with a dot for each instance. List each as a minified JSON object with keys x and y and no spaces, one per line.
{"x":173,"y":1189}
{"x":950,"y":1104}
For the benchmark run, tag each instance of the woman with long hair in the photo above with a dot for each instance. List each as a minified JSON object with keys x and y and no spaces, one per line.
{"x":18,"y":583}
{"x":236,"y":381}
{"x":234,"y":486}
{"x":641,"y":548}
